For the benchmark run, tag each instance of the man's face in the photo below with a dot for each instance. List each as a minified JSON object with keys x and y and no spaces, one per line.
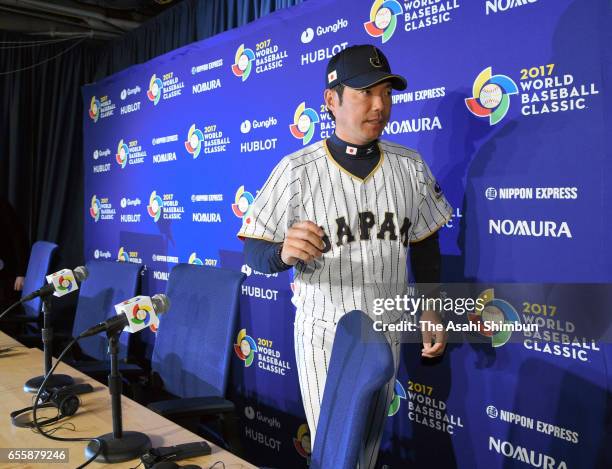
{"x":363,"y":114}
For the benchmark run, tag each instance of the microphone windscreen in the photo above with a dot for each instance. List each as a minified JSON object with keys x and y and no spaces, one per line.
{"x":161,"y":303}
{"x":81,"y":273}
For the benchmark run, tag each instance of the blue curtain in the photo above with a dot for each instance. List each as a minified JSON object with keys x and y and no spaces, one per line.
{"x":41,"y":108}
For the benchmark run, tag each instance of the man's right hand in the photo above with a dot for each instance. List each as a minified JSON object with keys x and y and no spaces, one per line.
{"x":303,"y":242}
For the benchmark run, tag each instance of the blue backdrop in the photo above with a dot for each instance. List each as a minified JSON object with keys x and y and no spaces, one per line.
{"x":508,"y":104}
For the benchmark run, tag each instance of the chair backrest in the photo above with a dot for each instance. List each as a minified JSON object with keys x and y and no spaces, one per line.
{"x":193,"y":345}
{"x":361,"y":364}
{"x":38,"y":268}
{"x":108,"y":283}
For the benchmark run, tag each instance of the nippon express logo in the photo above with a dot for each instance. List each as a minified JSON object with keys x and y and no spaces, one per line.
{"x":399,"y":394}
{"x":156,"y":204}
{"x":245,"y":348}
{"x":195,"y":260}
{"x":242,"y":65}
{"x":242,"y":204}
{"x":94,"y":109}
{"x":155,"y":89}
{"x":491,"y":96}
{"x":304,"y":122}
{"x":383,"y":19}
{"x":494,"y":310}
{"x":193,"y":145}
{"x":94,"y":209}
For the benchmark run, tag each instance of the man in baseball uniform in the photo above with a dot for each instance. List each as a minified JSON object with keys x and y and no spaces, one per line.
{"x":344,"y":213}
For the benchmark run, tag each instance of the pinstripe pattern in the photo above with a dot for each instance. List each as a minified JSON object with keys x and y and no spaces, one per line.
{"x":399,"y":202}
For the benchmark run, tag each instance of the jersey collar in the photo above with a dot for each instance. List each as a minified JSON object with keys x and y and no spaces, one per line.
{"x":369,"y":150}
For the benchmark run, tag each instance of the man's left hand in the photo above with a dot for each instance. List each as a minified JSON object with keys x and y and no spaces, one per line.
{"x":429,"y":335}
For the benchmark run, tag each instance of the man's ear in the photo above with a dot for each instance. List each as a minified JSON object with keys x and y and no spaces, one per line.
{"x":328,"y":98}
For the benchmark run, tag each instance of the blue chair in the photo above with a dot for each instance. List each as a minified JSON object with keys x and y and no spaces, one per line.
{"x":361,"y":364}
{"x":38,"y":268}
{"x":193,"y":345}
{"x":108,"y":283}
{"x":30,"y":319}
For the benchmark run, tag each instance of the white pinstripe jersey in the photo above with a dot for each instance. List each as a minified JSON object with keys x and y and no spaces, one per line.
{"x":368,"y":224}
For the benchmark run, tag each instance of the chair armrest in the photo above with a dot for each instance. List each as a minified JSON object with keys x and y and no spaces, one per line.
{"x":192,"y":406}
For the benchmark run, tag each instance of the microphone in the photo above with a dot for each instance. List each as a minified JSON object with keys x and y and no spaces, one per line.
{"x":60,"y":283}
{"x":133,"y":315}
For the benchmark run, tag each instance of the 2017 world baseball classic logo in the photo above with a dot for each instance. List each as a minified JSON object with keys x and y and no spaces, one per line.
{"x":155,"y":89}
{"x":494,"y":310}
{"x":542,"y":90}
{"x":195,"y":260}
{"x":491,"y":96}
{"x":100,"y":108}
{"x":301,"y":442}
{"x":94,"y":209}
{"x":123,"y":152}
{"x":243,"y":62}
{"x":94,"y":109}
{"x":304,"y":123}
{"x":124,"y":255}
{"x":427,"y":410}
{"x":166,"y":206}
{"x":193,"y":145}
{"x":245,"y":348}
{"x":155,"y":207}
{"x":167,"y":87}
{"x":101,"y":209}
{"x":129,"y":153}
{"x":242,"y":204}
{"x":415,"y":15}
{"x":260,"y":350}
{"x":383,"y":19}
{"x":266,"y":56}
{"x":399,"y":394}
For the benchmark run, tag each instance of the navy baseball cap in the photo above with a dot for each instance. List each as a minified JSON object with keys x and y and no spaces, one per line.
{"x":361,"y":67}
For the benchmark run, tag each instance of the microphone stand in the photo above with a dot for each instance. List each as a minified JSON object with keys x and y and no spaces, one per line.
{"x":54,"y":381}
{"x":118,"y":446}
